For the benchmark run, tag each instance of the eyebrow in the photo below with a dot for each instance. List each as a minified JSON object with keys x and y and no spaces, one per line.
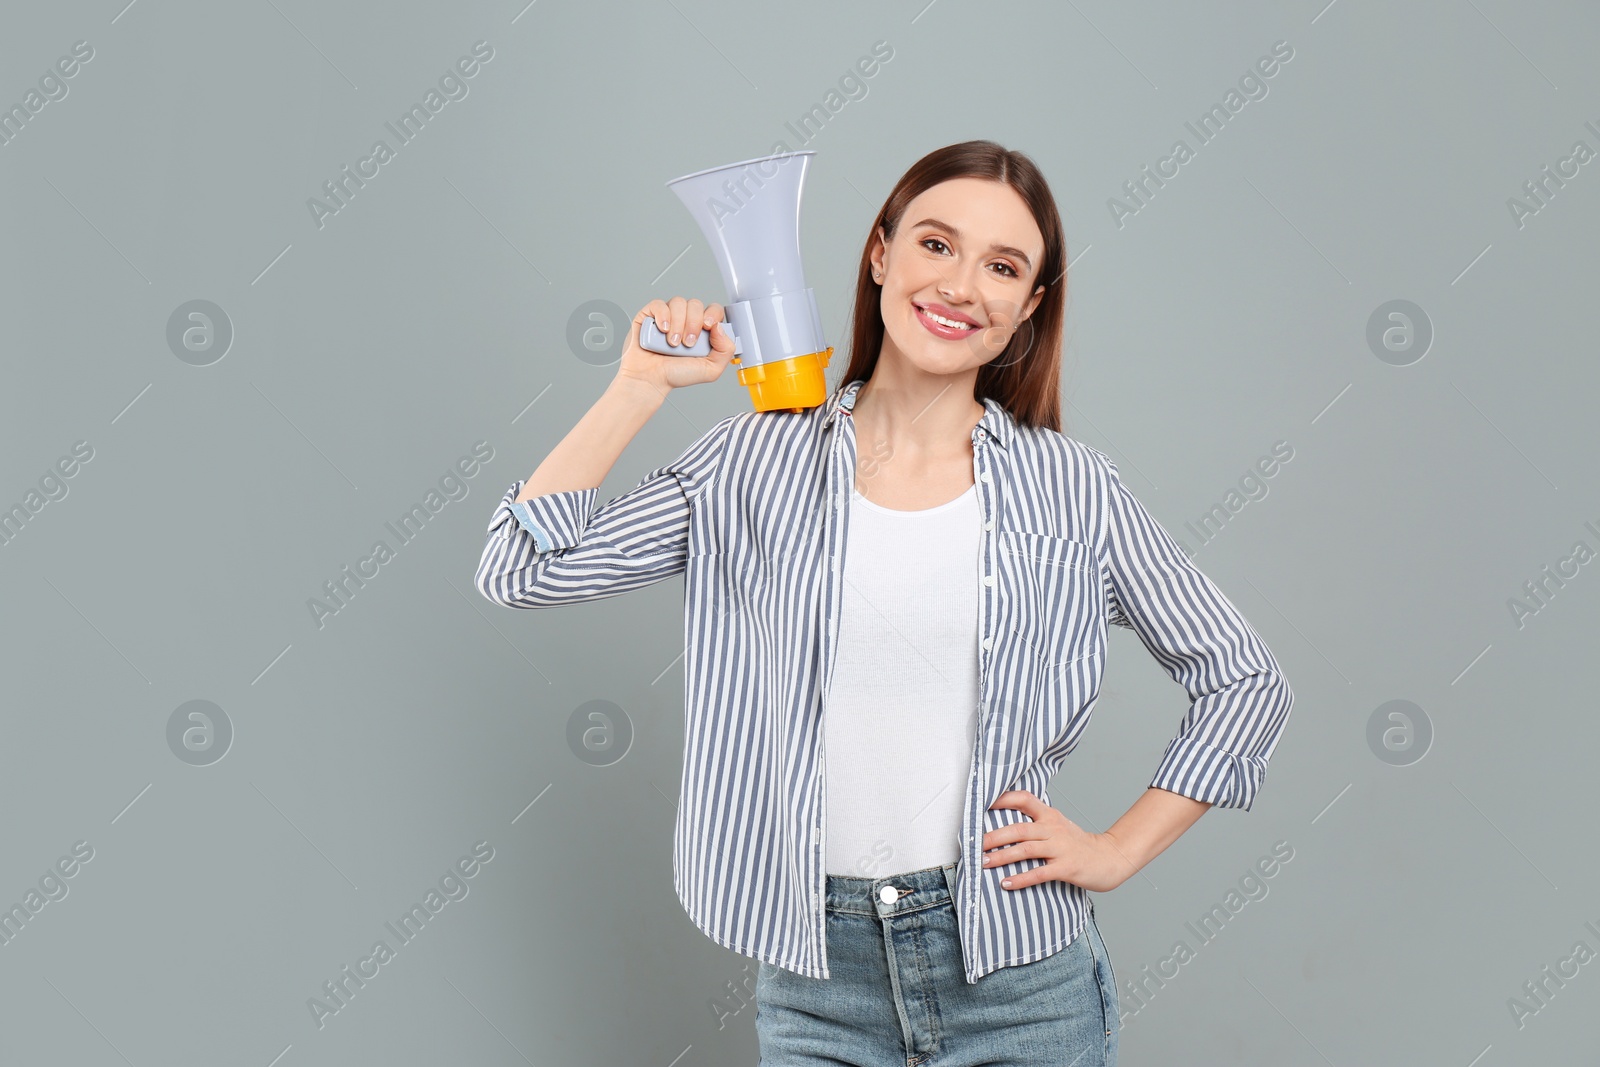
{"x":953,"y":232}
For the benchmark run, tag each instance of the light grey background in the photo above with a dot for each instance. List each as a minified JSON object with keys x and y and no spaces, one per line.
{"x":370,"y":353}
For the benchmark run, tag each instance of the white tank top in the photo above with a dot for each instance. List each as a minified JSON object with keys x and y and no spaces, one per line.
{"x":898,"y":727}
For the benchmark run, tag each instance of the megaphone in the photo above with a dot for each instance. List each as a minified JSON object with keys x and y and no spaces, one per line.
{"x":750,"y":214}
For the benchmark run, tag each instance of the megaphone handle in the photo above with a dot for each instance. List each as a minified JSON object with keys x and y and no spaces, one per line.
{"x":651,"y":339}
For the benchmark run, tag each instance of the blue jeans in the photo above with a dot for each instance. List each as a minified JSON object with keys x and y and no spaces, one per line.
{"x":898,"y":992}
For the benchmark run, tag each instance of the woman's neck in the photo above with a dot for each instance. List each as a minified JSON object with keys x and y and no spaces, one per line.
{"x":926,"y":421}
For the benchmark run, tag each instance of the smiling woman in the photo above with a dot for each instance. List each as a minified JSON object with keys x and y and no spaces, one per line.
{"x":967,"y":249}
{"x":895,"y":615}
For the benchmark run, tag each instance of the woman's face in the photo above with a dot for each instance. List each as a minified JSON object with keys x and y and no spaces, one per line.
{"x":966,"y":250}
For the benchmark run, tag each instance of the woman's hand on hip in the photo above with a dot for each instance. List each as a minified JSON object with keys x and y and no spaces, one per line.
{"x":1071,"y":853}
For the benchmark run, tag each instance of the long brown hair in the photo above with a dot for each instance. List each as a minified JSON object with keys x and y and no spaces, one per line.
{"x":1026,"y":377}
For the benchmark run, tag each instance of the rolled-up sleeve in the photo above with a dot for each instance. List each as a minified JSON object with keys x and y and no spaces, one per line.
{"x":558,"y":549}
{"x":1239,"y":699}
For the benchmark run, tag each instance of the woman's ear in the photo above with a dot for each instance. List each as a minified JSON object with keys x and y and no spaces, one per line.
{"x":1033,"y":302}
{"x":881,"y":250}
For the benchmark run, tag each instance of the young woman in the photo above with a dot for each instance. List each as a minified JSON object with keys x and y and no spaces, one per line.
{"x":896,"y":609}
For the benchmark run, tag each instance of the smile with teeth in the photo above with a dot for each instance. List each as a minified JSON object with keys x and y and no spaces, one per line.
{"x":942,"y":321}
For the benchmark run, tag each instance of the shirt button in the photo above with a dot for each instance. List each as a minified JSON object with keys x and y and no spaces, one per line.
{"x":888,"y":894}
{"x":989,"y":525}
{"x":988,"y":579}
{"x":984,"y":477}
{"x":988,"y":642}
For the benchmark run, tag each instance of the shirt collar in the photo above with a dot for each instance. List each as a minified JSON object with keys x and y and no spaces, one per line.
{"x":996,"y":420}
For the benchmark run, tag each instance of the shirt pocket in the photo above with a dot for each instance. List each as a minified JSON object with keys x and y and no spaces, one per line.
{"x":1060,"y":609}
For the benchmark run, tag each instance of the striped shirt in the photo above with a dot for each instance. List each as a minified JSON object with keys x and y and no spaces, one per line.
{"x":755,"y":515}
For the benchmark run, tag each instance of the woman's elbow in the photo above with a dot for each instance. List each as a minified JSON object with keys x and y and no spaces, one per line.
{"x":518,"y":589}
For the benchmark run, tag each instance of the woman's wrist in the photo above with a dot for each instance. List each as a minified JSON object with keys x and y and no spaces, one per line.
{"x":639,"y":391}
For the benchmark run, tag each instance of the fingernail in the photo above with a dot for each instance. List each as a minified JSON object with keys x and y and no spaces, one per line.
{"x":673,"y":339}
{"x":1006,"y":882}
{"x":688,"y":338}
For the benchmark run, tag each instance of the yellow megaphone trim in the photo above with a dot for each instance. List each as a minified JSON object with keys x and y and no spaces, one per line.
{"x":792,"y":384}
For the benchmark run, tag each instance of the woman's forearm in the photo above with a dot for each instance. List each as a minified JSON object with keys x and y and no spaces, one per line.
{"x":1156,"y":820}
{"x":585,"y":456}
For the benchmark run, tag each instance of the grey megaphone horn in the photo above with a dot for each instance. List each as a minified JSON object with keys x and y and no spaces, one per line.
{"x":750,"y":214}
